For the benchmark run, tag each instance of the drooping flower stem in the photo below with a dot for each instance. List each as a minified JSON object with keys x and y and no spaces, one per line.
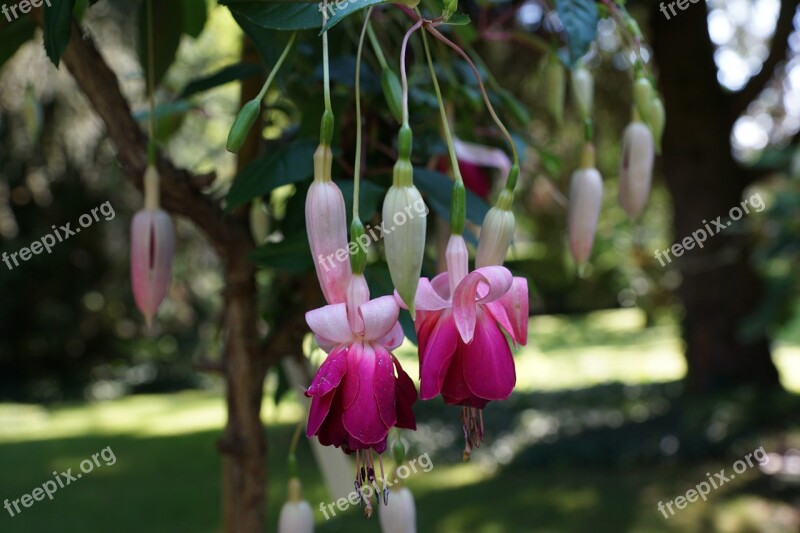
{"x":326,"y":129}
{"x":458,"y":210}
{"x":511,"y":182}
{"x":376,"y":45}
{"x":403,"y":74}
{"x":151,"y":144}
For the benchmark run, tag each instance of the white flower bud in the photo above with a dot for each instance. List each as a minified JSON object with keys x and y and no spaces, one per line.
{"x":636,"y":168}
{"x":585,"y":202}
{"x":404,"y":217}
{"x":296,"y":514}
{"x":496,"y":235}
{"x":400,"y":515}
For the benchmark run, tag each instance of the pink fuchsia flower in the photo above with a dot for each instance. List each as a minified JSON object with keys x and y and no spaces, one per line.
{"x":463,"y":353}
{"x":152,"y":250}
{"x":356,"y":396}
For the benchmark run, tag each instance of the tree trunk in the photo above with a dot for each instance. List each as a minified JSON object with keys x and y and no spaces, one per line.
{"x":719,"y":287}
{"x":243,"y":445}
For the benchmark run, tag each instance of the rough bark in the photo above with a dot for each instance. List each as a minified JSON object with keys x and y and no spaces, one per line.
{"x":719,"y":286}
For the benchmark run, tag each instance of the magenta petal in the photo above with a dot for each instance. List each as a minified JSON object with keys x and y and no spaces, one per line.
{"x":330,"y":374}
{"x":330,"y":325}
{"x":393,"y":339}
{"x":434,"y":362}
{"x":493,"y":281}
{"x":332,"y":432}
{"x":384,"y":386}
{"x":488,"y":364}
{"x":320,"y":406}
{"x":361,"y":418}
{"x":454,"y":389}
{"x":352,"y":380}
{"x":380,"y":316}
{"x":499,"y":314}
{"x":406,"y":396}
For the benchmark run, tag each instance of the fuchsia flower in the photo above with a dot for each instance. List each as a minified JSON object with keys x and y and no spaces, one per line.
{"x":356,"y":397}
{"x":152,"y":250}
{"x":462,"y":350}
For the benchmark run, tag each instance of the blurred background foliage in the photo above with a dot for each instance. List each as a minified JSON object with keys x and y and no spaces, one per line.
{"x":600,"y":429}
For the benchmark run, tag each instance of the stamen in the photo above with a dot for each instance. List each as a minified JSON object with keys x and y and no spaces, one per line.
{"x":472,"y":426}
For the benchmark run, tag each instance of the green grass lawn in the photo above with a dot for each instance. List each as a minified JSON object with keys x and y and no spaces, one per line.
{"x":571,"y":451}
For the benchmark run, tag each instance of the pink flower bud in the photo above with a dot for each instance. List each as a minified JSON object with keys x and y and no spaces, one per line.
{"x":585,"y":201}
{"x":326,"y":223}
{"x":152,"y":250}
{"x":636,"y":168}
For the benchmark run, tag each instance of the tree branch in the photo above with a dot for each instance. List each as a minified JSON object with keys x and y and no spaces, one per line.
{"x":181,"y":191}
{"x":783,"y":29}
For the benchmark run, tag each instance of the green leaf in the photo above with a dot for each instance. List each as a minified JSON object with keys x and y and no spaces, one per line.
{"x":14,"y":36}
{"x":195,"y":15}
{"x":166,"y":34}
{"x":438,"y":189}
{"x":580,"y":22}
{"x":238,"y":71}
{"x":57,"y":28}
{"x":338,"y":14}
{"x":277,"y":16}
{"x":291,"y":255}
{"x":459,"y":19}
{"x":290,"y":164}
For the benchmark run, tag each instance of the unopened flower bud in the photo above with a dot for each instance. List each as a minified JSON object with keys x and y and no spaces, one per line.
{"x":243,"y":124}
{"x":393,"y":92}
{"x":636,"y":168}
{"x":496,"y":234}
{"x":585,"y":202}
{"x":399,"y":515}
{"x":583,"y":91}
{"x":296,"y":515}
{"x":259,"y":222}
{"x":658,"y":120}
{"x":152,"y":251}
{"x":404,"y":212}
{"x":554,"y":77}
{"x":326,"y":223}
{"x":643,"y":96}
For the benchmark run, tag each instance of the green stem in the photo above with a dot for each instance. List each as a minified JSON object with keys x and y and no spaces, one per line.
{"x":376,"y":45}
{"x":277,"y":67}
{"x":151,"y":144}
{"x":443,"y":112}
{"x":325,"y":61}
{"x":357,"y":166}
